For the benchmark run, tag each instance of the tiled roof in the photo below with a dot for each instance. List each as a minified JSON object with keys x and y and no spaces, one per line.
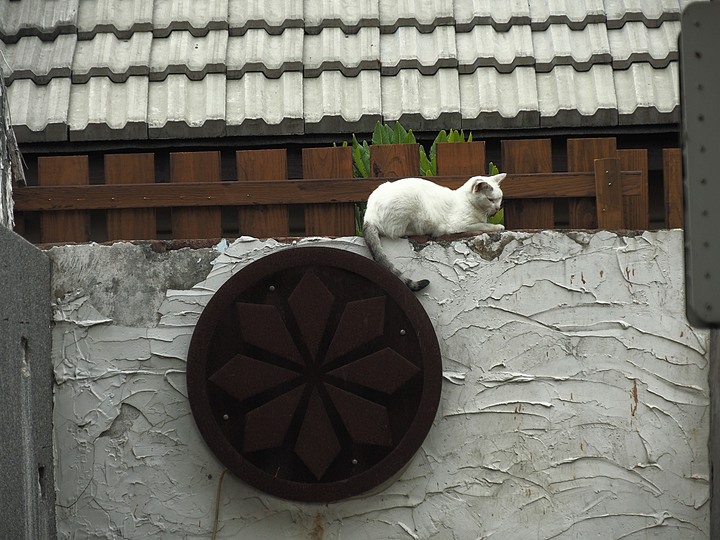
{"x":139,"y":69}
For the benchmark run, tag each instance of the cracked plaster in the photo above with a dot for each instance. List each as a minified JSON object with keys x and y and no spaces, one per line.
{"x":575,"y":398}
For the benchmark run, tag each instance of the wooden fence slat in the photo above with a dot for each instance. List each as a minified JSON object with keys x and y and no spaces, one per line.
{"x":131,"y":224}
{"x":528,"y":156}
{"x":459,"y":159}
{"x":394,"y":160}
{"x":609,"y":196}
{"x":581,"y":156}
{"x":66,"y":225}
{"x":268,"y":165}
{"x":164,"y":195}
{"x":328,"y":219}
{"x":673,"y":187}
{"x":200,"y":221}
{"x":636,"y":209}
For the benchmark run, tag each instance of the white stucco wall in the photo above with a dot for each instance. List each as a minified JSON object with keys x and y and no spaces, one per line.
{"x":575,"y":401}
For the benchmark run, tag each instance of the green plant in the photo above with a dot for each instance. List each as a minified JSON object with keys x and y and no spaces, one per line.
{"x":428,"y":163}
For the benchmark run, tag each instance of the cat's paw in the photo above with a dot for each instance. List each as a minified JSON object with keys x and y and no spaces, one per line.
{"x":499,"y":227}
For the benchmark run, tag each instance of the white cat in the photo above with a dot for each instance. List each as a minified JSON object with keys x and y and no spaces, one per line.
{"x":413,"y":206}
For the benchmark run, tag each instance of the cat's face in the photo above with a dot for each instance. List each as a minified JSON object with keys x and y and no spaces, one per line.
{"x":487,"y":194}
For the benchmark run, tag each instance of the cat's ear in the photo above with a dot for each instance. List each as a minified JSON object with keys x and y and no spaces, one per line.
{"x":480,"y":185}
{"x":499,"y":177}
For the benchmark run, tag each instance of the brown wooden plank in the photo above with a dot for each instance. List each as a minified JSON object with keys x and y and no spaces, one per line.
{"x":328,"y":219}
{"x":66,"y":225}
{"x":581,"y":156}
{"x":394,"y":160}
{"x":459,"y":159}
{"x":271,"y":166}
{"x":528,"y":156}
{"x":19,"y":223}
{"x":636,"y":209}
{"x":131,"y":224}
{"x":200,"y":221}
{"x":609,"y":195}
{"x":541,"y":185}
{"x":673,"y":187}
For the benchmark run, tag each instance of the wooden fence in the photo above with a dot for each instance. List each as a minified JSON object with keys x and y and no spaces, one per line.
{"x":604,"y":188}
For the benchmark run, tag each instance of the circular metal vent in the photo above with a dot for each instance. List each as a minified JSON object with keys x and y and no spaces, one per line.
{"x":314,"y":374}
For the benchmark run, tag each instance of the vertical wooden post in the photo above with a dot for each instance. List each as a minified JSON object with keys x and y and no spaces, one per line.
{"x":608,"y":189}
{"x":636,"y":207}
{"x":328,"y":219}
{"x":64,"y":225}
{"x":673,"y":187}
{"x":466,"y":159}
{"x":528,"y":156}
{"x":266,"y":221}
{"x":581,"y":156}
{"x":394,"y":160}
{"x":134,"y":223}
{"x":195,"y":222}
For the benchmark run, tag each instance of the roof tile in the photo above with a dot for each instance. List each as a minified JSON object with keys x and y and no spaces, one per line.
{"x":647,"y":95}
{"x":425,"y":15}
{"x":409,"y":48}
{"x":180,"y":108}
{"x":500,"y":15}
{"x":575,"y":13}
{"x":572,"y":98}
{"x":333,"y":49}
{"x":491,"y":99}
{"x":348,"y":16}
{"x":120,"y":18}
{"x":561,"y":46}
{"x":333,"y":102}
{"x":651,"y":13}
{"x":258,"y":51}
{"x":41,"y":61}
{"x":108,"y":56}
{"x":422,"y":102}
{"x":103,"y":110}
{"x":484,"y":46}
{"x":196,"y":16}
{"x":46,"y":19}
{"x":182,"y":52}
{"x":273,"y":16}
{"x":635,"y":42}
{"x":258,"y":105}
{"x":40,"y":112}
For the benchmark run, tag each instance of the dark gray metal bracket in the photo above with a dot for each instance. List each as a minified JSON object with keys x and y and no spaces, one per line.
{"x":700,"y":94}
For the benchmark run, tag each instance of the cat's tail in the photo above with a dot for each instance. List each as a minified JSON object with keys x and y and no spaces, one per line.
{"x":372,"y":240}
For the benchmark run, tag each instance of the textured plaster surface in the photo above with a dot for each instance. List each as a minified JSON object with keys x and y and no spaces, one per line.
{"x":575,"y":399}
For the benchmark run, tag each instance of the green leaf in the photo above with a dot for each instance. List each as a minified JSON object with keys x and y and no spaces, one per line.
{"x":377,"y":137}
{"x":498,"y":218}
{"x":400,"y":133}
{"x":492,"y":169}
{"x":361,"y":162}
{"x":425,"y":164}
{"x":411,"y":137}
{"x":359,"y":218}
{"x":366,"y":159}
{"x":469,"y":139}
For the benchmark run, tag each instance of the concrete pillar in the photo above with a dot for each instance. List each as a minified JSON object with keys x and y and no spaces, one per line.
{"x":27,"y":487}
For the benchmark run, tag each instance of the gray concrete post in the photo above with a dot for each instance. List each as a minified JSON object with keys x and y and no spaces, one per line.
{"x":27,"y":487}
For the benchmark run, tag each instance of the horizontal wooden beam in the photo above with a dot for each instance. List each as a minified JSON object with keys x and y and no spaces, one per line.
{"x":233,"y":193}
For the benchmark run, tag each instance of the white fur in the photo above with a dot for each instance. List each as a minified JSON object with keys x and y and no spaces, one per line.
{"x":413,"y":206}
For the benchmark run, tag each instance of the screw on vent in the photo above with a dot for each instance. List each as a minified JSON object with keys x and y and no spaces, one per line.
{"x":314,"y":374}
